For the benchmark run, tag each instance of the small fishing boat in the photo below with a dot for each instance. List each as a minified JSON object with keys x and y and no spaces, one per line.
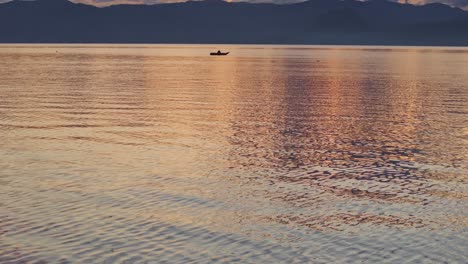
{"x":219,"y":53}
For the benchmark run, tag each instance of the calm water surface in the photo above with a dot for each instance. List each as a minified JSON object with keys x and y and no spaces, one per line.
{"x":273,"y":154}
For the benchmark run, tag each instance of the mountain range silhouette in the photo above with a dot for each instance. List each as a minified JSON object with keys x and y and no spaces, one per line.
{"x":376,"y":22}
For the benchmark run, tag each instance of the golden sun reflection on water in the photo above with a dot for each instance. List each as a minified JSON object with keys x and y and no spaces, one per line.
{"x":283,"y":154}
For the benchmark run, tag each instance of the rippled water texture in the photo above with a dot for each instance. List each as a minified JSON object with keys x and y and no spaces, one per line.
{"x":269,"y":155}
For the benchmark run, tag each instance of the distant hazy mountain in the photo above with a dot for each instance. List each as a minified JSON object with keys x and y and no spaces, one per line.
{"x":215,"y":21}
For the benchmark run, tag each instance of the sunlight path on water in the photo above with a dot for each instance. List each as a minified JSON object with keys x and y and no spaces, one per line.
{"x":281,"y":154}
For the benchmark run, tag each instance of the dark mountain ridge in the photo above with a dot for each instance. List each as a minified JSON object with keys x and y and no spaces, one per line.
{"x":215,"y":21}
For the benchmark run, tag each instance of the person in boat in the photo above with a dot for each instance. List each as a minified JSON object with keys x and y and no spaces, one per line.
{"x":219,"y":52}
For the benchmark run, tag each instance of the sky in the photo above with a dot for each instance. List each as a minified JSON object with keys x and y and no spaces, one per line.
{"x":456,"y":3}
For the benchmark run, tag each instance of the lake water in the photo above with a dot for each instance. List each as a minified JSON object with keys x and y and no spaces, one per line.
{"x":273,"y":154}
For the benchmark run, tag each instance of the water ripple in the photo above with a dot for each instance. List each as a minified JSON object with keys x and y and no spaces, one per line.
{"x":129,"y":154}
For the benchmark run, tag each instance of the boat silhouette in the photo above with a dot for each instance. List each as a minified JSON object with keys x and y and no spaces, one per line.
{"x":219,"y":53}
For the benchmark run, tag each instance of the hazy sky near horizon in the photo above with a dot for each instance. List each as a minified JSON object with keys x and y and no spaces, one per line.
{"x":456,"y":3}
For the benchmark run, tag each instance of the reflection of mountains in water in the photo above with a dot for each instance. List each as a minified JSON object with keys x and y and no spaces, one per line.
{"x":313,"y":22}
